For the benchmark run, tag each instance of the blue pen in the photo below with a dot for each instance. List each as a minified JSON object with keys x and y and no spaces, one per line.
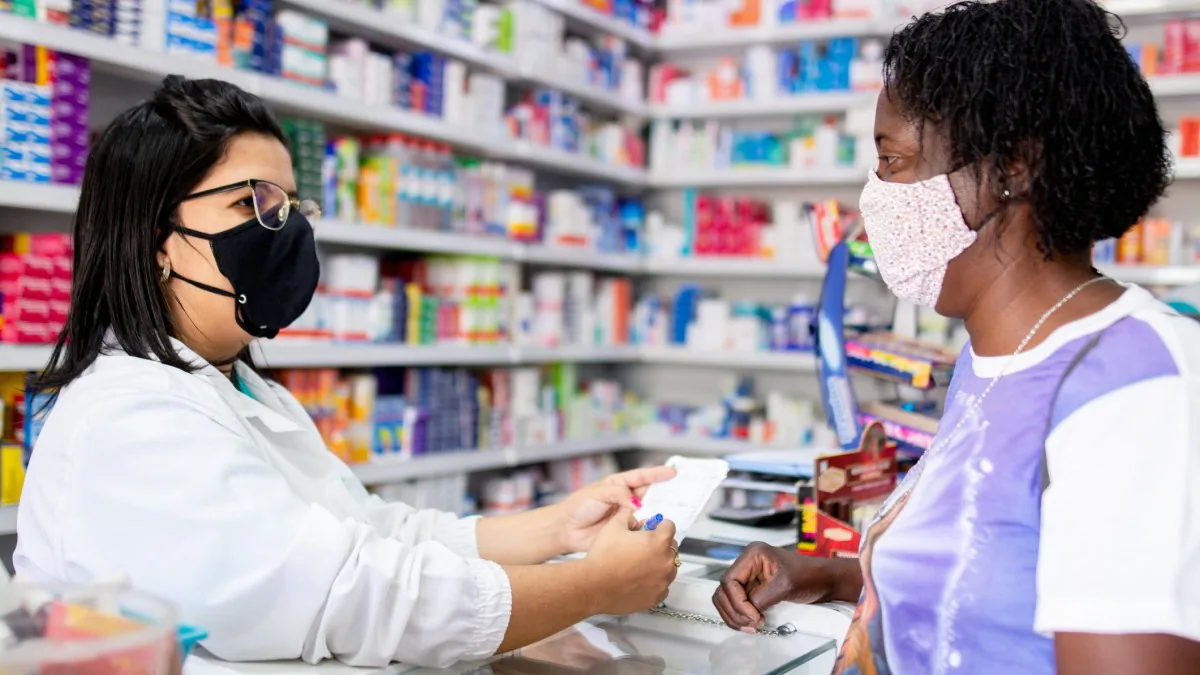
{"x":652,"y":523}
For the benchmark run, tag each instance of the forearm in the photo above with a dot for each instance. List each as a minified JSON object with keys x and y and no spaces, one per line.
{"x":845,"y":579}
{"x":547,"y":599}
{"x":526,"y":538}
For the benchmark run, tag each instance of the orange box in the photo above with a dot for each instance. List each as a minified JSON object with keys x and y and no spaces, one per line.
{"x":1129,"y":246}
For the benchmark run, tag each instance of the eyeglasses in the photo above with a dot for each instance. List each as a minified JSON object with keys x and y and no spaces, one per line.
{"x":272,"y":205}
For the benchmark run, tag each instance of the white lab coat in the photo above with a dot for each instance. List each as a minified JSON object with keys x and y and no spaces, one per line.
{"x":234,"y":510}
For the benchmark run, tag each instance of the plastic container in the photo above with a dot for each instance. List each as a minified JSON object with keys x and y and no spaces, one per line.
{"x":93,"y":630}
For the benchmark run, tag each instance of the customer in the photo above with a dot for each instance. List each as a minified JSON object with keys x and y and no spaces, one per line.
{"x":167,"y":458}
{"x":1013,"y":136}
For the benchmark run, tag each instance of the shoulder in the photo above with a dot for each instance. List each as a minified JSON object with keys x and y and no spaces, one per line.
{"x":117,"y":387}
{"x":1153,"y":350}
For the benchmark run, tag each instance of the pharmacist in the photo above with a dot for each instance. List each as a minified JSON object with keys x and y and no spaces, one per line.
{"x":167,"y":459}
{"x":1054,"y":524}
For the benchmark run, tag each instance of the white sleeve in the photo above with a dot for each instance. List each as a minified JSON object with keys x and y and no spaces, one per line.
{"x":407,"y":524}
{"x":1120,"y":537}
{"x":400,"y":521}
{"x":200,"y":518}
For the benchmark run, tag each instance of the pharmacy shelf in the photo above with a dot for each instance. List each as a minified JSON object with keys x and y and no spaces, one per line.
{"x":562,"y":256}
{"x":802,"y":104}
{"x":1151,"y":9}
{"x":138,"y":64}
{"x":733,"y":268}
{"x":393,"y":30}
{"x":1175,"y":86}
{"x":590,"y":94}
{"x":729,"y":359}
{"x":467,"y":461}
{"x":23,"y":358}
{"x":1187,"y":169}
{"x":701,"y":446}
{"x":584,"y":17}
{"x":1147,"y":275}
{"x":38,"y":197}
{"x":309,"y":354}
{"x":745,"y":177}
{"x":8,"y":520}
{"x":531,"y":355}
{"x":295,"y":353}
{"x":569,"y":163}
{"x":723,"y":38}
{"x":384,"y":238}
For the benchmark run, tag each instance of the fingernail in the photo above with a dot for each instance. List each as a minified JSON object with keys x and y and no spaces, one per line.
{"x":749,"y":631}
{"x":637,"y":503}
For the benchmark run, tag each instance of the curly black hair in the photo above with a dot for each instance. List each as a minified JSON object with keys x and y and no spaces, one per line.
{"x":1046,"y":83}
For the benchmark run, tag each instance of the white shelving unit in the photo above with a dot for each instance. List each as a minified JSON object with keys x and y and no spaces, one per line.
{"x":467,"y":461}
{"x":1154,"y":276}
{"x":8,"y":520}
{"x":733,"y":268}
{"x":725,"y":39}
{"x":1151,"y":9}
{"x":799,"y":362}
{"x":744,"y":177}
{"x":137,"y":64}
{"x":779,"y":106}
{"x":36,"y":197}
{"x":585,"y":18}
{"x":1175,"y":86}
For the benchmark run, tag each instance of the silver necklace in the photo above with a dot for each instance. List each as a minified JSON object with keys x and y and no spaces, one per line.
{"x":782,"y":630}
{"x":977,"y":405}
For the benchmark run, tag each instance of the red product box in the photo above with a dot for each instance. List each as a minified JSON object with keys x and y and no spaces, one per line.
{"x":58,"y":312}
{"x":1174,"y":47}
{"x":1191,"y":46}
{"x":24,"y":311}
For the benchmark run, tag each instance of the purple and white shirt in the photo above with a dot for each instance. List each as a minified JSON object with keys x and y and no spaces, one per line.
{"x":970,"y":569}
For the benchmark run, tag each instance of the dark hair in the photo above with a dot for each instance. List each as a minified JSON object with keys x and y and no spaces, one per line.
{"x":145,"y":162}
{"x":1047,"y":83}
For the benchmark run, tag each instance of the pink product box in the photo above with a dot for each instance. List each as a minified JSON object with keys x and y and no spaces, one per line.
{"x":21,"y":333}
{"x":25,"y":311}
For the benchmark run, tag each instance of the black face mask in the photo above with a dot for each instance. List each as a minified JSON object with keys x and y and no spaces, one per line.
{"x":274,"y":273}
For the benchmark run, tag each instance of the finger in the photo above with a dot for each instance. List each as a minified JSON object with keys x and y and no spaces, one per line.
{"x":622,"y":519}
{"x":639,"y":479}
{"x":740,"y":607}
{"x":617,"y":495}
{"x":723,"y":601}
{"x":666,"y":531}
{"x":770,"y":593}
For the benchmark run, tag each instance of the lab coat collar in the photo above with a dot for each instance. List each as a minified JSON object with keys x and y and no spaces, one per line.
{"x":265,"y":405}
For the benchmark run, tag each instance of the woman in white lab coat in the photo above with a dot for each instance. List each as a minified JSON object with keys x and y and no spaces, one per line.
{"x":166,"y":459}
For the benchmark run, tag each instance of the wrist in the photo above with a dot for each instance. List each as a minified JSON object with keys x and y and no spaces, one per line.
{"x":842,"y":578}
{"x":589,"y":585}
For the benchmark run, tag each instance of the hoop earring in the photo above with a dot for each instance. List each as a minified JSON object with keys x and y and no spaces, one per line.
{"x":166,"y":271}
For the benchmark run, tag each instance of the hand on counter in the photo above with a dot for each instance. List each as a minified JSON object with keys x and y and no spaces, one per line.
{"x":636,"y":566}
{"x":586,"y":511}
{"x":764,"y":576}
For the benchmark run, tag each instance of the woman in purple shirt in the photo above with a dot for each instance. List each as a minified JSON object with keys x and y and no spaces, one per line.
{"x":1054,"y":525}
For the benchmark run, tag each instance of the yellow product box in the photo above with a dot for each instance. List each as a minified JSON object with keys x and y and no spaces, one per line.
{"x":12,"y":474}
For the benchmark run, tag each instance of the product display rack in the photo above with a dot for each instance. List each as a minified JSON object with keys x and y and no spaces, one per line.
{"x":136,"y":64}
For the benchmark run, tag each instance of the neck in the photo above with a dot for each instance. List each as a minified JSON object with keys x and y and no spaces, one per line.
{"x":1014,"y":301}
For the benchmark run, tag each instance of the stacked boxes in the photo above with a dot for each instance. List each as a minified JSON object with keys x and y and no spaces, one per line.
{"x":189,"y":32}
{"x":303,"y":53}
{"x":70,"y":94}
{"x":306,"y":142}
{"x":25,"y":123}
{"x":44,"y":101}
{"x":127,"y":21}
{"x":35,"y":286}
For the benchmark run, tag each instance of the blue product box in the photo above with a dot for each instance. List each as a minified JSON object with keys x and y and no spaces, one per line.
{"x":809,"y":58}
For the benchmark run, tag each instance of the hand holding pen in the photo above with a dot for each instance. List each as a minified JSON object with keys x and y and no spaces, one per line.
{"x":637,"y":561}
